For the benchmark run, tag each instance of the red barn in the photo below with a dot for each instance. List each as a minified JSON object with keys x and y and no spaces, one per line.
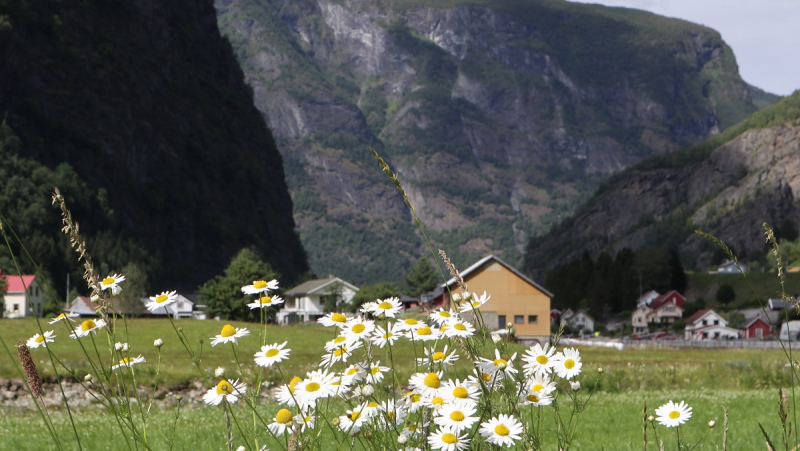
{"x":756,"y":328}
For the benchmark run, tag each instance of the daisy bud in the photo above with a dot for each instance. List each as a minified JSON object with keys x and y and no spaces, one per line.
{"x":501,"y":365}
{"x":335,"y":422}
{"x":158,"y":343}
{"x":179,"y":398}
{"x":118,"y":346}
{"x":367,"y":390}
{"x":711,"y":424}
{"x":496,"y":338}
{"x":575,"y":385}
{"x":650,"y":418}
{"x":87,"y":378}
{"x":600,"y":370}
{"x":509,"y":326}
{"x":402,"y":438}
{"x":219,"y":372}
{"x":95,"y":298}
{"x":116,"y":290}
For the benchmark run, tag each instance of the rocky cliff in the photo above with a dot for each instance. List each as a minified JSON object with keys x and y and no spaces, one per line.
{"x":499,"y":116}
{"x":727,"y":187}
{"x":145,"y":101}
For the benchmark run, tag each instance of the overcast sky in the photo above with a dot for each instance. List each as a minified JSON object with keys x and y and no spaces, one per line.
{"x":764,"y":34}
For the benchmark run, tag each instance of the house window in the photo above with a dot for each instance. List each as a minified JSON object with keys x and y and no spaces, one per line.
{"x":533,"y":319}
{"x":501,"y":321}
{"x":519,"y":319}
{"x":716,"y":322}
{"x":16,"y":307}
{"x":759,"y":333}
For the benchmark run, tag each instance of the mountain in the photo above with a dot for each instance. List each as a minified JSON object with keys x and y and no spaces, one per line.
{"x":727,"y":186}
{"x":139,"y":112}
{"x":499,"y":117}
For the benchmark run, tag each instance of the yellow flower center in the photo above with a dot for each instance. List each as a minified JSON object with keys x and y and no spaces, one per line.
{"x":437,"y":401}
{"x":88,"y":325}
{"x":537,"y":387}
{"x":61,"y":315}
{"x":271,"y":353}
{"x":358,"y":328}
{"x":227,"y":331}
{"x":459,"y":326}
{"x":354,"y":416}
{"x":161,"y":298}
{"x":339,"y":352}
{"x":108,"y":281}
{"x":432,"y":380}
{"x":352,"y":371}
{"x":569,"y":364}
{"x":265,"y":300}
{"x":438,"y":356}
{"x":457,"y":416}
{"x":338,"y":340}
{"x":415,"y":397}
{"x":444,"y":314}
{"x":500,"y":363}
{"x":449,"y":438}
{"x":445,"y":327}
{"x":375,"y":370}
{"x":372,"y":404}
{"x":674,"y":414}
{"x":486,"y":377}
{"x":293,"y":382}
{"x":476,"y":304}
{"x":410,"y":322}
{"x":424,"y":331}
{"x":532,"y":398}
{"x":501,"y":429}
{"x":460,"y":392}
{"x":40,"y":339}
{"x":126,"y":361}
{"x":385,"y":305}
{"x":259,"y":284}
{"x":338,"y":318}
{"x":283,"y":416}
{"x":542,"y":359}
{"x":224,"y":388}
{"x":312,"y":387}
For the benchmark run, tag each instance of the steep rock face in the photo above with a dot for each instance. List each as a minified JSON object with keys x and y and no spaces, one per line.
{"x":145,"y":100}
{"x":499,"y":116}
{"x":743,"y":183}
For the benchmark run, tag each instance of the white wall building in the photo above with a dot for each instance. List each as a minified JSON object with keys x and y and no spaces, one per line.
{"x":709,"y":325}
{"x":19,"y":303}
{"x":306,"y":302}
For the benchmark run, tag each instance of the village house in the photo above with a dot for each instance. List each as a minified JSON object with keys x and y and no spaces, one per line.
{"x":181,"y":308}
{"x":707,"y":324}
{"x":306,"y":302}
{"x":515,"y":299}
{"x":653,"y":308}
{"x":639,"y":317}
{"x":756,"y":328}
{"x":19,"y":302}
{"x":579,"y":321}
{"x":83,"y":306}
{"x":729,"y":267}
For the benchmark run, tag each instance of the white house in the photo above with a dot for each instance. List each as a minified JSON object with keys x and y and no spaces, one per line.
{"x":306,"y":302}
{"x":19,"y":303}
{"x":578,"y":321}
{"x":729,"y":267}
{"x":182,"y":308}
{"x":709,"y":325}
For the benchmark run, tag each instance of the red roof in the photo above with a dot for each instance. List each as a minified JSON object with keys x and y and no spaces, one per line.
{"x":661,"y":300}
{"x":696,"y":316}
{"x":17,"y":284}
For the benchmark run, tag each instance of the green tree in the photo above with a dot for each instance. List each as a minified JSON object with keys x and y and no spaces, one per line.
{"x":135,"y":288}
{"x":421,"y":278}
{"x":223,"y":294}
{"x":372,"y":292}
{"x":725,"y":294}
{"x":678,"y":278}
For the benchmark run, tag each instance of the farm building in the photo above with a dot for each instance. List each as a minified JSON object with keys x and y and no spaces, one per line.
{"x":707,"y":324}
{"x":756,"y":328}
{"x":22,"y":297}
{"x":306,"y":302}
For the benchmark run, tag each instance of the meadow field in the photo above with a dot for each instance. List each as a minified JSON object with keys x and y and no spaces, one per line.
{"x":744,"y":380}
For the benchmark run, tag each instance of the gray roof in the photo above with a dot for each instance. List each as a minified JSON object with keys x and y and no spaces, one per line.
{"x":315,"y":285}
{"x":483,"y":261}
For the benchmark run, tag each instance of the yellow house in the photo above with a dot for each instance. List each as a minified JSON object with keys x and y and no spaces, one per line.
{"x":515,"y":299}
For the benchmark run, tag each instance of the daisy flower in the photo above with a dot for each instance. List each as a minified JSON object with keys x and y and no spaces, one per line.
{"x":87,"y":327}
{"x":672,"y":414}
{"x":425,"y":333}
{"x":340,"y":353}
{"x":271,"y":354}
{"x":129,"y":361}
{"x":333,"y":320}
{"x":388,"y":307}
{"x":410,"y":324}
{"x":162,"y":300}
{"x":426,"y":384}
{"x":538,"y":359}
{"x":434,"y":402}
{"x":64,"y":316}
{"x":413,"y":401}
{"x":474,"y":302}
{"x":358,"y":328}
{"x":370,"y":409}
{"x":285,"y":393}
{"x":353,"y":421}
{"x":501,"y":430}
{"x":568,"y":364}
{"x":316,"y":385}
{"x":229,"y":334}
{"x":537,"y":398}
{"x":41,"y":340}
{"x":466,"y":390}
{"x":457,"y":417}
{"x":226,"y":389}
{"x":367,"y":307}
{"x":540,"y":383}
{"x":375,"y":373}
{"x":381,"y":337}
{"x":392,"y":413}
{"x":458,"y":328}
{"x":498,"y":365}
{"x":266,"y":301}
{"x":353,"y":373}
{"x":338,"y":342}
{"x":282,"y":423}
{"x":260,"y":286}
{"x":111,"y":282}
{"x":305,"y":420}
{"x":438,"y":357}
{"x":448,"y":440}
{"x":441,"y":316}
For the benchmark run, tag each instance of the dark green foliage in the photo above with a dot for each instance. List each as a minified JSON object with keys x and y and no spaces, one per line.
{"x":678,"y":279}
{"x":372,"y":292}
{"x":421,"y":278}
{"x":223,"y":294}
{"x":725,"y":294}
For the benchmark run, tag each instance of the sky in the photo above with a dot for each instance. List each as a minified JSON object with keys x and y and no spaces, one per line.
{"x":764,"y":34}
